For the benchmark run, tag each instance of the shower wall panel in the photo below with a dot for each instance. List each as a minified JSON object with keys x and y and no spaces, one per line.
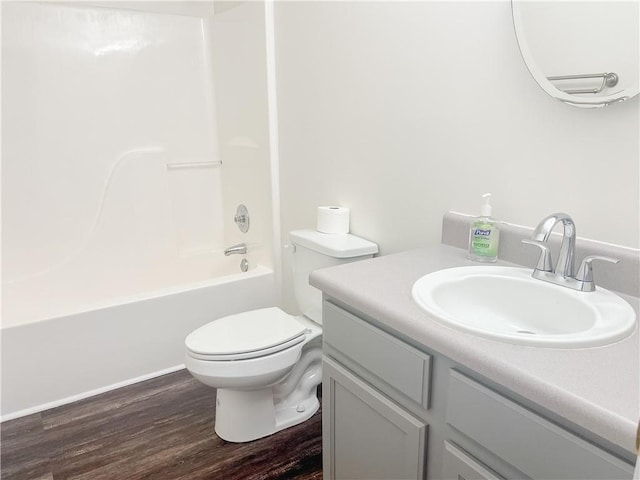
{"x":110,"y":160}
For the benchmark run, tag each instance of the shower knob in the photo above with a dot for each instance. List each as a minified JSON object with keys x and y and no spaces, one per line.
{"x":242,"y":218}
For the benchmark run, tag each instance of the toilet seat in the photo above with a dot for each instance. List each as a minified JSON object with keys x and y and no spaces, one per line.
{"x":246,"y":335}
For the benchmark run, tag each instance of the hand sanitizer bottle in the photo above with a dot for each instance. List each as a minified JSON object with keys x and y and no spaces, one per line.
{"x":484,"y":235}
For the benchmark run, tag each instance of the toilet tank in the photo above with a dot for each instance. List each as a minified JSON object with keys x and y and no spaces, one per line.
{"x":314,"y":250}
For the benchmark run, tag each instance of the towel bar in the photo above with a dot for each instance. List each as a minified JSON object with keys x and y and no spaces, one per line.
{"x":176,"y":165}
{"x":608,"y":80}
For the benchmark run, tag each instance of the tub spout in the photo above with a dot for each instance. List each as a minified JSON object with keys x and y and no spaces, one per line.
{"x":239,"y":249}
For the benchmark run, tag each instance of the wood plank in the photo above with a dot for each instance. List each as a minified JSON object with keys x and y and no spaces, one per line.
{"x":161,"y":429}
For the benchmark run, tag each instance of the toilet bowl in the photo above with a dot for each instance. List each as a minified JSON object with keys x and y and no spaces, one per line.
{"x":248,"y":370}
{"x":266,"y":364}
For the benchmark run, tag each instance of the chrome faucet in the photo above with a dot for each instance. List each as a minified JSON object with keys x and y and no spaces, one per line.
{"x":239,"y":249}
{"x":563,"y":274}
{"x":565,"y":264}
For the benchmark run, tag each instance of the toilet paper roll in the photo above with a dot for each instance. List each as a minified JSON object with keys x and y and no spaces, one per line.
{"x":333,"y":220}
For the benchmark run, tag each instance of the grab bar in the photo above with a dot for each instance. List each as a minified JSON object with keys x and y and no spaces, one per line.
{"x":176,"y":165}
{"x":608,"y":80}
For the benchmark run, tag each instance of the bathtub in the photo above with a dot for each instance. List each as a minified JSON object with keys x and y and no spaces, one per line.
{"x":59,"y":347}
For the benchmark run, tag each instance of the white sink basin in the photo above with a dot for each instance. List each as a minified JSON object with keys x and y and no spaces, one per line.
{"x":506,"y":304}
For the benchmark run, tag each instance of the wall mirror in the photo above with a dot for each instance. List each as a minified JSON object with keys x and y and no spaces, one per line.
{"x":584,"y":53}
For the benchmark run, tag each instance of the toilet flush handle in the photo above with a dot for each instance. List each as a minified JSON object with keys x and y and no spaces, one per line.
{"x":290,"y":246}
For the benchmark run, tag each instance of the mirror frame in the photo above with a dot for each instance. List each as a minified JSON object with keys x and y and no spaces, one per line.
{"x":550,"y":88}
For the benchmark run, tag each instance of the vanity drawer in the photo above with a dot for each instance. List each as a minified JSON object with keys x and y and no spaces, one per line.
{"x":388,"y":363}
{"x":535,"y":446}
{"x":459,"y":465}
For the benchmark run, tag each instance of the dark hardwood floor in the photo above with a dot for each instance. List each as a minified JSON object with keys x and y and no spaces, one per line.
{"x":158,"y":429}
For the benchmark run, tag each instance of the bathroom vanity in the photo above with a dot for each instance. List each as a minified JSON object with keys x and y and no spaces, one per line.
{"x":407,"y":397}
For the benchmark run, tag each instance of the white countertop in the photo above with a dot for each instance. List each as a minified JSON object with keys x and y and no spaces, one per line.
{"x":597,"y":388}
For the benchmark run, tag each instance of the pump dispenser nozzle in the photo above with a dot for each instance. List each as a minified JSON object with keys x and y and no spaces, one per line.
{"x":485,"y":210}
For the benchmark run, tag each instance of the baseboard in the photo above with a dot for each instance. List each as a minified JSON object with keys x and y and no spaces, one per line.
{"x":90,"y":393}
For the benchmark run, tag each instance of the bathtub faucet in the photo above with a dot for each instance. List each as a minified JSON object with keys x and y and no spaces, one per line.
{"x":239,"y":249}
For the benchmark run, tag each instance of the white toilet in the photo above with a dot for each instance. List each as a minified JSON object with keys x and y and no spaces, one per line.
{"x":265,"y":363}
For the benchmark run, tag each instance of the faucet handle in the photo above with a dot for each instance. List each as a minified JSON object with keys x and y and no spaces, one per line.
{"x":544,"y":262}
{"x":585,"y":272}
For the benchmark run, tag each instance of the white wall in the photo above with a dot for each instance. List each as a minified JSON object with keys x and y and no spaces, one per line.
{"x":403,"y":111}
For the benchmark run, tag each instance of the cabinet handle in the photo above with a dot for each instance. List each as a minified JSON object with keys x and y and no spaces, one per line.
{"x":638,"y":439}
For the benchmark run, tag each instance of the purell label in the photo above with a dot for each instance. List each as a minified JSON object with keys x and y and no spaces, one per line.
{"x":483,"y":241}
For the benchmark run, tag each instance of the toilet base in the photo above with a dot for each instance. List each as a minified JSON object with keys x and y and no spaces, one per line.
{"x":242,"y":416}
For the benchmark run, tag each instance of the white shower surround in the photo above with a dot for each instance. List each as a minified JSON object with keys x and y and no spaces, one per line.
{"x":111,"y":256}
{"x":99,"y":102}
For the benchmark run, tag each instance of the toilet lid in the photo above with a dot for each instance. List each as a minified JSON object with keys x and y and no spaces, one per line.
{"x":246,"y":333}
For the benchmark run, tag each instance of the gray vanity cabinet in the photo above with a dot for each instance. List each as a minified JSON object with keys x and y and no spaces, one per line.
{"x":367,"y":431}
{"x":378,"y":398}
{"x":370,"y":436}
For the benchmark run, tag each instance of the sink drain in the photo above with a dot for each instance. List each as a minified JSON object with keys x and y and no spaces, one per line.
{"x":526,"y":331}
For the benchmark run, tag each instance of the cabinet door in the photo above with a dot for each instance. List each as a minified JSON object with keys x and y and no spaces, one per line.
{"x":366,"y":435}
{"x":459,"y":465}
